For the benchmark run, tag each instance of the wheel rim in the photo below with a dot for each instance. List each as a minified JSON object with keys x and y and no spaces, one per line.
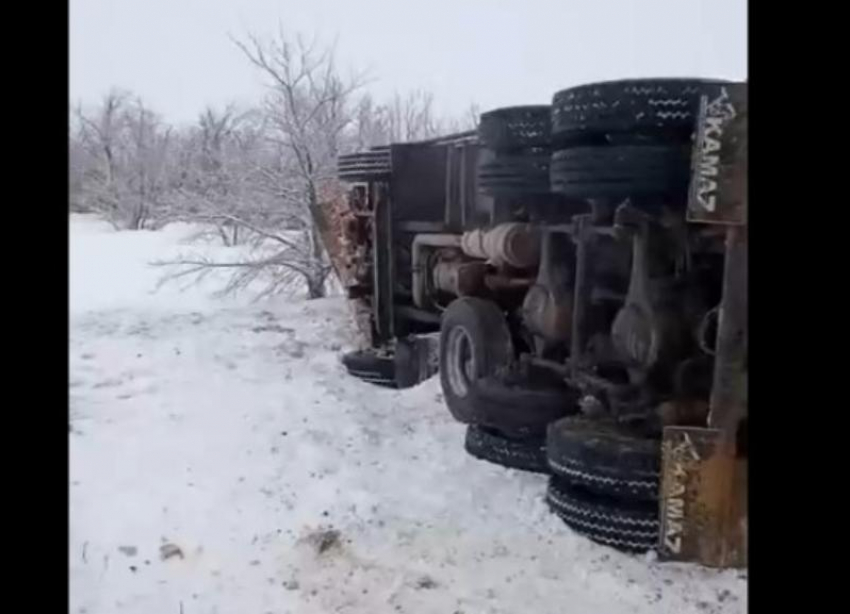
{"x":461,"y":368}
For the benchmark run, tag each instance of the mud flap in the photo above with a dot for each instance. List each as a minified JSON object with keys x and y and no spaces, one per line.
{"x":719,"y":161}
{"x":703,"y":498}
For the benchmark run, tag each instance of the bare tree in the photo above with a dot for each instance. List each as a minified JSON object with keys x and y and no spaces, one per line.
{"x":308,"y":110}
{"x":78,"y":162}
{"x":402,"y":119}
{"x":260,"y":179}
{"x":371,"y":125}
{"x":126,"y":146}
{"x":467,"y":121}
{"x":217,"y":174}
{"x":148,"y":149}
{"x":411,"y":118}
{"x":98,"y":136}
{"x":306,"y":114}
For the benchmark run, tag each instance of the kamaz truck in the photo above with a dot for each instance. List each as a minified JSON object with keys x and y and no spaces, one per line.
{"x":576,"y":275}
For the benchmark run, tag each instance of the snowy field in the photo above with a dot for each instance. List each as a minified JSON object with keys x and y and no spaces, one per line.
{"x":221,"y":462}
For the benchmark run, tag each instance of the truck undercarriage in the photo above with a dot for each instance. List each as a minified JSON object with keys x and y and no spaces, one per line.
{"x":575,"y":273}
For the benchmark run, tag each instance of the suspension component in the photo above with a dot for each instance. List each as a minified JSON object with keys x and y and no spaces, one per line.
{"x":548,"y":306}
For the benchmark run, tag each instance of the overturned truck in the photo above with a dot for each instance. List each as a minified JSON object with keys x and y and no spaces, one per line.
{"x":576,"y":273}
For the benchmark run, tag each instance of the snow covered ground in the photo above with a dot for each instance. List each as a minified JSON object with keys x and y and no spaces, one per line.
{"x":222,"y":463}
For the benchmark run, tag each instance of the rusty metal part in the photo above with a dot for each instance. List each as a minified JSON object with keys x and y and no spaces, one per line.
{"x":346,"y":240}
{"x":461,"y":278}
{"x":358,"y":199}
{"x":547,"y":309}
{"x":335,"y":227}
{"x":729,"y":389}
{"x":511,"y":243}
{"x":581,"y":296}
{"x":418,"y":262}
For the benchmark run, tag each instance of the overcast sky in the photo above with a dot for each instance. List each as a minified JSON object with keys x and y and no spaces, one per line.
{"x":178,"y":56}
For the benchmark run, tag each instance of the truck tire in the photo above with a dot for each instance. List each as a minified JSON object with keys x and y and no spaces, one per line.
{"x":370,"y":367}
{"x":523,"y":453}
{"x":621,"y":171}
{"x":514,"y":174}
{"x":665,"y":109}
{"x":623,"y":525}
{"x":512,"y":128}
{"x":522,"y":410}
{"x":474,"y":342}
{"x":604,"y":458}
